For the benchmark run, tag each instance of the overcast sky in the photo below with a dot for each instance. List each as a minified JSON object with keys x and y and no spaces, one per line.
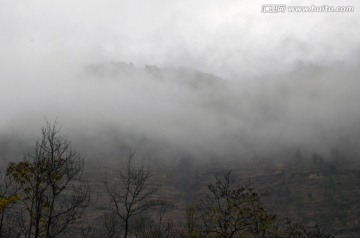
{"x":44,"y":45}
{"x":229,"y":38}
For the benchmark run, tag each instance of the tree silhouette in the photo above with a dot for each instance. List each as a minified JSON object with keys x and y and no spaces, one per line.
{"x":132,"y":193}
{"x":228,"y":210}
{"x":52,"y":189}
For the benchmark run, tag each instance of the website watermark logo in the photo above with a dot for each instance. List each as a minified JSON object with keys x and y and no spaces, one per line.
{"x":282,"y":8}
{"x":273,"y":8}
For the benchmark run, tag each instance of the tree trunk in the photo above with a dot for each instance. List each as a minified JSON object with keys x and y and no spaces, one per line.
{"x":126,"y":228}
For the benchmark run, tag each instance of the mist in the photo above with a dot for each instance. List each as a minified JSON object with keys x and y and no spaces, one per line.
{"x":209,"y":79}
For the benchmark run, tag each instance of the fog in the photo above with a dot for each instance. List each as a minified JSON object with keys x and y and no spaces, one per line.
{"x":211,"y":79}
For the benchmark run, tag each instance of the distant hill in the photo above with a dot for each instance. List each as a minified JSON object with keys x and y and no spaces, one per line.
{"x":120,"y":70}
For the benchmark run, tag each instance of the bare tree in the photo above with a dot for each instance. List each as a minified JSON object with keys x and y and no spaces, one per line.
{"x":228,"y":210}
{"x":132,"y":193}
{"x":52,"y":189}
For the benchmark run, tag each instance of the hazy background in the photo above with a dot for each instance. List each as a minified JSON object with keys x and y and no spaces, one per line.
{"x":275,"y":81}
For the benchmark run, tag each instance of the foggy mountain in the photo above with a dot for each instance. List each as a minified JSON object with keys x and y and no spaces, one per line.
{"x":229,"y":80}
{"x":165,"y":112}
